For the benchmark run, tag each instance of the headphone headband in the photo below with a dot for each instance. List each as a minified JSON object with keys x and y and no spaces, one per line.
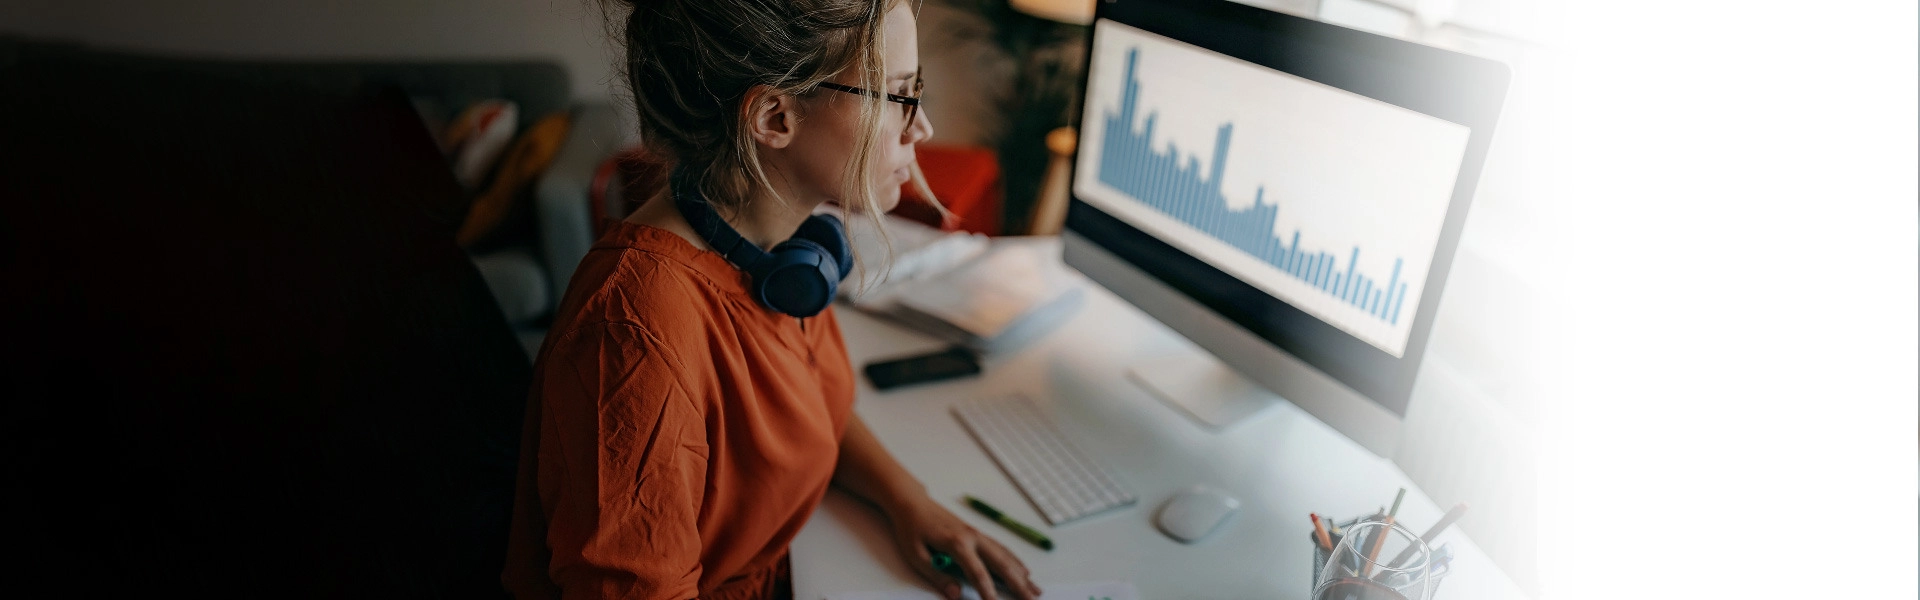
{"x":724,"y":239}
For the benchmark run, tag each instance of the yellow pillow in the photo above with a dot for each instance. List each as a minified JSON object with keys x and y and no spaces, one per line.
{"x":522,"y":163}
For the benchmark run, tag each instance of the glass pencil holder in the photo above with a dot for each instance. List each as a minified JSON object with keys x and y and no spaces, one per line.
{"x":1321,"y":555}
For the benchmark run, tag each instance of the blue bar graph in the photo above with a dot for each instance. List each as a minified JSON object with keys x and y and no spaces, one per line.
{"x":1159,"y":179}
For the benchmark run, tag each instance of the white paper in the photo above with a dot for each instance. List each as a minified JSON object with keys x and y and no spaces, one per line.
{"x":906,"y":252}
{"x":1098,"y":590}
{"x":990,"y":293}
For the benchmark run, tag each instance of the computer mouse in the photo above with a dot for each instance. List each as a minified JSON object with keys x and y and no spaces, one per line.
{"x":1192,"y":514}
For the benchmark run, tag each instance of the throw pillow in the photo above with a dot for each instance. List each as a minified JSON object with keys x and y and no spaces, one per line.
{"x":522,"y":164}
{"x":476,"y":139}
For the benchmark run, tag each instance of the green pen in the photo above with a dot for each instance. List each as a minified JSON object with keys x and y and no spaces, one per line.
{"x":1019,"y":529}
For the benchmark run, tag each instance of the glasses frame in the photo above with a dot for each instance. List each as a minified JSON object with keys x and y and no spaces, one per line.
{"x":912,"y":102}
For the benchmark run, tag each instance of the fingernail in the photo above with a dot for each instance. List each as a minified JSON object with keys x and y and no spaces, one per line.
{"x":953,"y":591}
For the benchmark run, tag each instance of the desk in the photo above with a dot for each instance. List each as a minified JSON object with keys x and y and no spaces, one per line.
{"x":1282,"y":464}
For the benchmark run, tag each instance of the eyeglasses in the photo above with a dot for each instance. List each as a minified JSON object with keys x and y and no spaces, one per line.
{"x":909,"y":104}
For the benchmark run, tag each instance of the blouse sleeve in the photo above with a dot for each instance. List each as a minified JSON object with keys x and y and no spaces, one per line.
{"x":622,"y":468}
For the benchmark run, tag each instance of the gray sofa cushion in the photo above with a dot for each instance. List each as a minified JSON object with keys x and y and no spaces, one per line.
{"x":518,"y":284}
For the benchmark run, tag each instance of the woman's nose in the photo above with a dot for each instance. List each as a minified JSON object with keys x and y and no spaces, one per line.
{"x":921,"y":129}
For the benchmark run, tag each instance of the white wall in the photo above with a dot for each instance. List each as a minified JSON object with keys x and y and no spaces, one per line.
{"x":568,"y":31}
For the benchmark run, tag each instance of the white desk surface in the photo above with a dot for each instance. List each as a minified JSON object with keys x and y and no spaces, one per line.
{"x":1281,"y":463}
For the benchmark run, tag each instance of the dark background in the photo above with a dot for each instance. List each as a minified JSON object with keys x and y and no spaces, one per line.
{"x":244,"y":355}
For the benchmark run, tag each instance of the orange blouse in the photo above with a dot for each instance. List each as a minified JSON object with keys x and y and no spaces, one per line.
{"x":678,"y":434}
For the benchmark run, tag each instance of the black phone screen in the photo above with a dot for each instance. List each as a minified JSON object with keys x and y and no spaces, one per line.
{"x":946,"y":364}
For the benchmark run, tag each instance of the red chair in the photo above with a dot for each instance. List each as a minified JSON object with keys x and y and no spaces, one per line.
{"x":966,"y":179}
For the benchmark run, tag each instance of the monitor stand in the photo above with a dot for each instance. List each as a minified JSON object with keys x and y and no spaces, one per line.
{"x":1203,"y":387}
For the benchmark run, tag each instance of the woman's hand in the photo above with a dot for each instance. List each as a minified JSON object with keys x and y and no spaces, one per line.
{"x":921,"y":526}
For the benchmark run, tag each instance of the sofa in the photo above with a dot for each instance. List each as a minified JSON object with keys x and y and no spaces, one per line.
{"x":247,"y":357}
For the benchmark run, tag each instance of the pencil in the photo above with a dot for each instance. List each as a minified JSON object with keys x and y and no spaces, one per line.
{"x":1321,"y":532}
{"x":1396,"y":502}
{"x":1445,"y":520}
{"x":1379,"y":537}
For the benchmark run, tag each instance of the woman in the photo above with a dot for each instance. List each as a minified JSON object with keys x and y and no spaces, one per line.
{"x":681,"y":429}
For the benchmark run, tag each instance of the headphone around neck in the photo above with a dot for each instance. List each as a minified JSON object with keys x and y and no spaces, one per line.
{"x":798,"y":277}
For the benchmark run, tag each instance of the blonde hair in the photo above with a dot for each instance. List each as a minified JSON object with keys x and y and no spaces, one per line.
{"x":691,"y":64}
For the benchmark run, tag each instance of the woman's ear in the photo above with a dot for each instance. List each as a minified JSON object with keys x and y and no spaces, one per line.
{"x":772,"y":119}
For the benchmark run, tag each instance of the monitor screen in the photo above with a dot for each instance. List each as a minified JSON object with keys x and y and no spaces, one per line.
{"x":1304,"y":181}
{"x":1323,"y":198}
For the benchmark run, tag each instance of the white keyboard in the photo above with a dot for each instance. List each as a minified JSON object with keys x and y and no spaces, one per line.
{"x":1063,"y":483}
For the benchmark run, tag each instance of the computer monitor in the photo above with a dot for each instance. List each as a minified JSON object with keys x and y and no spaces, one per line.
{"x":1285,"y":193}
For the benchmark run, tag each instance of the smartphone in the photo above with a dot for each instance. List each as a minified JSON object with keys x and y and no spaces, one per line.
{"x":957,"y":361}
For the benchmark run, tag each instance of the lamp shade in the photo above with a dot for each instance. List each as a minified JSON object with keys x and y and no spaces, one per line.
{"x":1077,"y":12}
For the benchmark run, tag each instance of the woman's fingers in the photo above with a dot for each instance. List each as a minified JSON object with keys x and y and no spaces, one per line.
{"x":1011,"y":570}
{"x":920,"y":559}
{"x":968,"y":553}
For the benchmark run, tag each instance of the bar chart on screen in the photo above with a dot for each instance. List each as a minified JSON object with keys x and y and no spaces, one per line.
{"x":1337,"y":214}
{"x":1130,"y":164}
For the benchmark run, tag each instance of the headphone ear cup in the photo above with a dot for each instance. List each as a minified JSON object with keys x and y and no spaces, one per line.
{"x":800,"y":278}
{"x":831,"y":236}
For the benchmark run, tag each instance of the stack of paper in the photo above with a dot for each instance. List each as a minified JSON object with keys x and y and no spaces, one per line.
{"x":908,"y":251}
{"x":988,"y":294}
